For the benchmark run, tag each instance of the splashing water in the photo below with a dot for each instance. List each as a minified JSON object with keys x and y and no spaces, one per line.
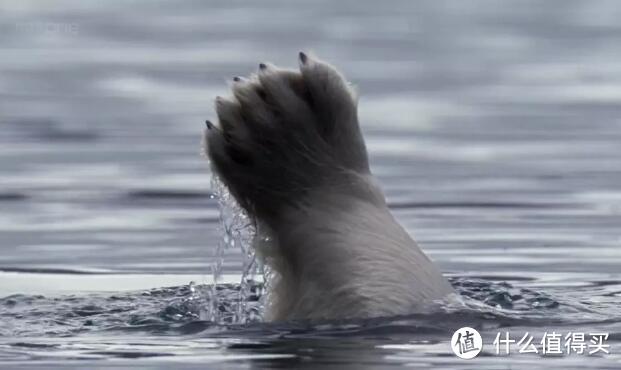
{"x":238,"y":230}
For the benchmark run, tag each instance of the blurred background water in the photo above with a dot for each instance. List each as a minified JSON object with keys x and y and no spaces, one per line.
{"x":494,"y":128}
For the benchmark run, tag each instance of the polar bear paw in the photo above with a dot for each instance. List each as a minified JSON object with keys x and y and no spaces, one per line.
{"x":283,"y":133}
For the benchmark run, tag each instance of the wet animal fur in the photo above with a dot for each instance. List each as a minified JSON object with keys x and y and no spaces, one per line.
{"x":289,"y":148}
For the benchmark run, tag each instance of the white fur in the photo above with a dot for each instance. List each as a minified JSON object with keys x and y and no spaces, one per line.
{"x":289,"y":147}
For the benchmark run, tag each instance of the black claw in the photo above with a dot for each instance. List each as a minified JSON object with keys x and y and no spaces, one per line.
{"x":262,"y":66}
{"x":209,"y":124}
{"x":236,"y":79}
{"x":303,"y":57}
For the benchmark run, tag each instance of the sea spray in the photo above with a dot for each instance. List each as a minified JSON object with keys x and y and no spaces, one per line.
{"x":238,"y":232}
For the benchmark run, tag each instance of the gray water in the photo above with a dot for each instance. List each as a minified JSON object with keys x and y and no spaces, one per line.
{"x":494,"y":128}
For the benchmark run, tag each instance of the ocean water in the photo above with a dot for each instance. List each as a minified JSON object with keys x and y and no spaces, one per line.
{"x":493,"y":127}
